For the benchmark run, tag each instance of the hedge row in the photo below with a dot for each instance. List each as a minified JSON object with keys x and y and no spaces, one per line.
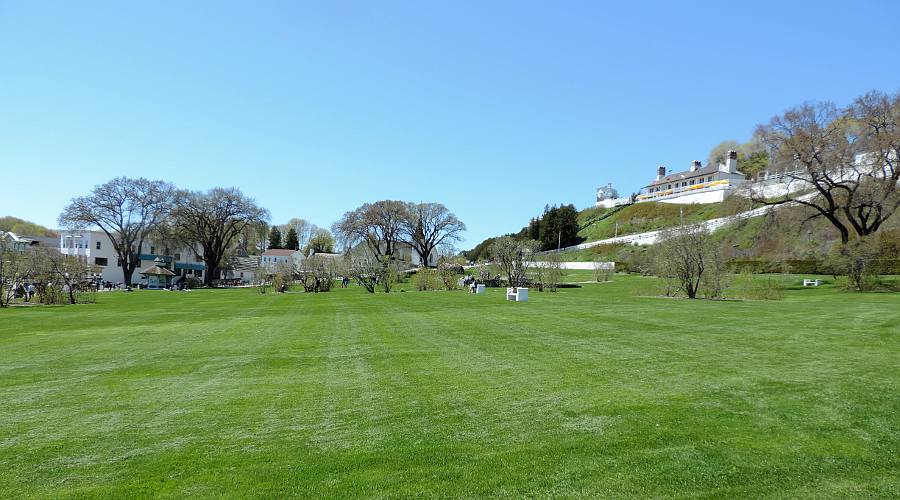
{"x":802,"y":266}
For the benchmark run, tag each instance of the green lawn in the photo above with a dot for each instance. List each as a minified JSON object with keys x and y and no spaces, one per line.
{"x":591,"y":392}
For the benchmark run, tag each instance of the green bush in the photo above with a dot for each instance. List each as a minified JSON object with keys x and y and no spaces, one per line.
{"x":426,"y":279}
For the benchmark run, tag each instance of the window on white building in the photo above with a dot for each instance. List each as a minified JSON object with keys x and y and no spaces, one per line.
{"x":98,"y":245}
{"x":100,"y":261}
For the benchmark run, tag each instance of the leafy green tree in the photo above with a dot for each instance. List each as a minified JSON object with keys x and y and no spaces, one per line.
{"x":321,"y":242}
{"x":275,"y":237}
{"x":559,"y":227}
{"x":291,"y":242}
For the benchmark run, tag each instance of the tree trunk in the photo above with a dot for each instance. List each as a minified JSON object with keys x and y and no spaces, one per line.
{"x":423,"y":257}
{"x":211,"y":271}
{"x":127,"y":274}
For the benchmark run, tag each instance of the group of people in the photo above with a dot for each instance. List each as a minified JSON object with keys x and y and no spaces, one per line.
{"x":345,"y":282}
{"x":471,"y":282}
{"x":26,"y":291}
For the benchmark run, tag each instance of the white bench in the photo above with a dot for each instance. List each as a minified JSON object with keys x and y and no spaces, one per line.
{"x":517,"y":294}
{"x":812,"y":282}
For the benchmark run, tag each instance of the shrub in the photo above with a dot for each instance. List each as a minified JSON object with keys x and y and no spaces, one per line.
{"x":858,"y":260}
{"x":448,"y":273}
{"x":425,"y":279}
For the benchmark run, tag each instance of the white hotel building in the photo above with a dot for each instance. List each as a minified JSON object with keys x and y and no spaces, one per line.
{"x":95,"y":248}
{"x":699,"y":184}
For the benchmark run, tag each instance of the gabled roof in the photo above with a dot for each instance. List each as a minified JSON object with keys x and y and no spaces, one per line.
{"x":687,"y":174}
{"x":156,"y":270}
{"x":279,"y":252}
{"x":15,"y":237}
{"x":245,"y":264}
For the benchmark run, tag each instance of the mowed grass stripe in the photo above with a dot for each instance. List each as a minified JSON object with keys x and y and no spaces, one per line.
{"x":587,"y":392}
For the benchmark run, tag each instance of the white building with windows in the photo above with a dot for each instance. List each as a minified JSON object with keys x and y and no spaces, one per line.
{"x":95,"y":248}
{"x":271,"y":260}
{"x":699,"y":184}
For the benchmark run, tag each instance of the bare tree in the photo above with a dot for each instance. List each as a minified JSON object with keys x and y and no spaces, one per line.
{"x":12,"y":275}
{"x":379,"y":225}
{"x":554,"y":270}
{"x":513,"y":257}
{"x":428,"y":226}
{"x":304,"y":229}
{"x":844,"y":161}
{"x":72,"y":273}
{"x":601,"y":270}
{"x":212,"y":220}
{"x":449,"y":269}
{"x":283,"y":277}
{"x":127,"y":210}
{"x":687,"y":259}
{"x":364,"y":270}
{"x":317,"y":273}
{"x":252,"y":240}
{"x":858,"y":260}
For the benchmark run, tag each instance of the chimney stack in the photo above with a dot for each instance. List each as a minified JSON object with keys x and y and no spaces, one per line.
{"x":731,"y":162}
{"x":660,"y":172}
{"x":695,"y":165}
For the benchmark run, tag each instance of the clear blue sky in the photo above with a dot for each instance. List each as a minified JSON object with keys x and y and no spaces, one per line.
{"x":493,"y":109}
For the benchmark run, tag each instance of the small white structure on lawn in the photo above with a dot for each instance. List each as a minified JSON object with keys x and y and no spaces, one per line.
{"x":517,"y":294}
{"x":479,"y":288}
{"x":158,"y":275}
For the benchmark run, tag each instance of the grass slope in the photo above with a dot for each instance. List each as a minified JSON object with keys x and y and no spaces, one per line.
{"x":648,"y":216}
{"x":586,"y":392}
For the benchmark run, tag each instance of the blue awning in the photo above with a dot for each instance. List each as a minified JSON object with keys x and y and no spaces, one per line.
{"x":151,"y":257}
{"x":195,"y":267}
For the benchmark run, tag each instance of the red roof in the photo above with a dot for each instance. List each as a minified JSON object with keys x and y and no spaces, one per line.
{"x":279,"y":252}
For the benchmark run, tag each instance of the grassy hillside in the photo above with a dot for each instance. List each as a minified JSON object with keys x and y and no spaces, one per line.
{"x":589,"y":392}
{"x":786,"y":233}
{"x":650,"y":216}
{"x":25,"y":228}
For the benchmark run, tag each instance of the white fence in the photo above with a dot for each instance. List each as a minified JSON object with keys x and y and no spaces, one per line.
{"x":585,"y":266}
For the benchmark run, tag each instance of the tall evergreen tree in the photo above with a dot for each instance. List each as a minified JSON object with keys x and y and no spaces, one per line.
{"x":275,"y":237}
{"x":291,"y":242}
{"x":559,"y":227}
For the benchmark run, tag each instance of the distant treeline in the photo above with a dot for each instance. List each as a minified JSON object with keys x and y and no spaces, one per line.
{"x":556,"y":227}
{"x":24,"y":227}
